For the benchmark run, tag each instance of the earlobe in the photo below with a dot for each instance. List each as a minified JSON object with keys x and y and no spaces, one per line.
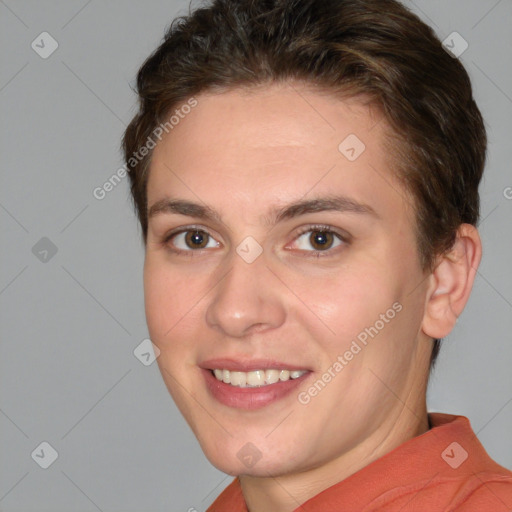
{"x":451,"y":283}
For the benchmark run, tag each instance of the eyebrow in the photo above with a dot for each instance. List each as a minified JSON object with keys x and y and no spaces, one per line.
{"x":276,"y":214}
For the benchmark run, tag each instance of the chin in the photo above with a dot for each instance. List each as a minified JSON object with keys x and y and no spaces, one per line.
{"x":247,"y":461}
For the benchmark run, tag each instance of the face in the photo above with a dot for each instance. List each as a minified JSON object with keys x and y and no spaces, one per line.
{"x":283,"y":286}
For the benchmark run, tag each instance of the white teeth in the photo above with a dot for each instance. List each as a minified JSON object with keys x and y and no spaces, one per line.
{"x":256,"y":378}
{"x":271,"y":376}
{"x":238,"y":379}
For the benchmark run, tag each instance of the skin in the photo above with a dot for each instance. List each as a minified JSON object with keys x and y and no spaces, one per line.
{"x":242,"y":152}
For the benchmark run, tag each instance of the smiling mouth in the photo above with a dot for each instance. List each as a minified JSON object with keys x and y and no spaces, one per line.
{"x":256,"y":378}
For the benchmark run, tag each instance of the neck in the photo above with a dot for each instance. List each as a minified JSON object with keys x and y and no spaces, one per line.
{"x":286,"y":492}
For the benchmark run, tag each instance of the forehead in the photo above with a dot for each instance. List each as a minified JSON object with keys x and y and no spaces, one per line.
{"x":284,"y":115}
{"x":246,"y":147}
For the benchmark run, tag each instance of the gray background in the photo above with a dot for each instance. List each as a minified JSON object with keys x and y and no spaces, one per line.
{"x":70,"y":324}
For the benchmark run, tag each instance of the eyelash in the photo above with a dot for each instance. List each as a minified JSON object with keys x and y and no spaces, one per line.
{"x":344,"y":238}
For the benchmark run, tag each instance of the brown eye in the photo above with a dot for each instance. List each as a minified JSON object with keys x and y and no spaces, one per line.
{"x":318,"y":239}
{"x":196,"y":239}
{"x":321,"y":240}
{"x":189,"y":240}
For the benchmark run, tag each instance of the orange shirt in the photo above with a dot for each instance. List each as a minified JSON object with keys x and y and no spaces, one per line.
{"x":444,"y":469}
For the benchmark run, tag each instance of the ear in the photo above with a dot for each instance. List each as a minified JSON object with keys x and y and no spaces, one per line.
{"x":451,"y":282}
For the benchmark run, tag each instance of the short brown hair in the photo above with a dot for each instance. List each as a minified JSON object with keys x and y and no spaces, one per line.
{"x":375,"y":48}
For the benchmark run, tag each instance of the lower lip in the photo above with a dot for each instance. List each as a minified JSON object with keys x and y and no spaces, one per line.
{"x":250,"y":397}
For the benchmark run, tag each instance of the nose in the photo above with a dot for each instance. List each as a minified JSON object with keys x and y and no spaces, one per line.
{"x":248,"y":299}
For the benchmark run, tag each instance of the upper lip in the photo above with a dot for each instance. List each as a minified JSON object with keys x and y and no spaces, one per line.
{"x":247,"y":365}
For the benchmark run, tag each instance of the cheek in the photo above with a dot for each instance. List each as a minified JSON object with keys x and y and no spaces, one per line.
{"x":348,"y":300}
{"x":169,"y":297}
{"x":158,"y":303}
{"x":169,"y":302}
